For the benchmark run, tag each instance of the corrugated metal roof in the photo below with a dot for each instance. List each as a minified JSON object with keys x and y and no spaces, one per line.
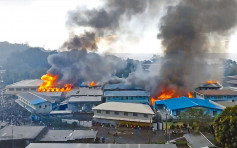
{"x":184,"y":102}
{"x":121,"y":86}
{"x":82,"y":145}
{"x":85,"y":91}
{"x":20,"y":132}
{"x":65,"y":135}
{"x":218,"y":92}
{"x":26,"y":83}
{"x":197,"y":140}
{"x":34,"y":98}
{"x":125,"y":107}
{"x":126,"y":93}
{"x":85,"y":99}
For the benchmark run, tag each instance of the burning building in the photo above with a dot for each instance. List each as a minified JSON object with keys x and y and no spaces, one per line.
{"x":210,"y":85}
{"x":84,"y":99}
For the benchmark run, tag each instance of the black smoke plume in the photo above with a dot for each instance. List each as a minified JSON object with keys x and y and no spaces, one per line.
{"x":106,"y":20}
{"x":189,"y":31}
{"x":78,"y":66}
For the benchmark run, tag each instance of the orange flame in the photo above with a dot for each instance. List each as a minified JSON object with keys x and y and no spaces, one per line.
{"x":92,"y":83}
{"x":212,"y":82}
{"x":50,"y":84}
{"x":190,"y":95}
{"x":168,"y":94}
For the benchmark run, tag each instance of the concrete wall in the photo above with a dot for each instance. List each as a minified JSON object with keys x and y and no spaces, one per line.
{"x":121,"y":116}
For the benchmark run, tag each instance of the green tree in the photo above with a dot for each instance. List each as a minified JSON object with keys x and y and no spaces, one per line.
{"x":225,"y":127}
{"x":197,"y":118}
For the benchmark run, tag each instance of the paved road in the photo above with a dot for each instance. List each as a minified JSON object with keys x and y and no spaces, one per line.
{"x":130,"y":136}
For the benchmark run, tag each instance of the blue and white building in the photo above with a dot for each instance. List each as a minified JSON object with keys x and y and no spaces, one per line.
{"x":173,"y":107}
{"x":217,"y":95}
{"x":35,"y":103}
{"x":120,"y":86}
{"x":125,"y":93}
{"x":130,"y":96}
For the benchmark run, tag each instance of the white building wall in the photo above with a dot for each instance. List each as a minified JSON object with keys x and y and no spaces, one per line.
{"x":121,"y":116}
{"x":42,"y":108}
{"x":17,"y":90}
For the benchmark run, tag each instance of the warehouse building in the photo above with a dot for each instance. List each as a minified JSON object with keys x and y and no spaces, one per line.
{"x":210,"y":86}
{"x":117,"y":113}
{"x":120,"y":86}
{"x":173,"y":107}
{"x":125,"y":93}
{"x":35,"y":103}
{"x":22,"y":135}
{"x":217,"y":95}
{"x":23,"y":86}
{"x":84,"y":99}
{"x":135,"y":96}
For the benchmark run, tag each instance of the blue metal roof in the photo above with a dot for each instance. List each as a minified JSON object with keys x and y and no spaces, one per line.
{"x":37,"y":101}
{"x":33,"y":98}
{"x":184,"y":102}
{"x":126,"y":93}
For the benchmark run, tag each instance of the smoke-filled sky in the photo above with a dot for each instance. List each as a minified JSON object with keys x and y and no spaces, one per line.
{"x":45,"y":23}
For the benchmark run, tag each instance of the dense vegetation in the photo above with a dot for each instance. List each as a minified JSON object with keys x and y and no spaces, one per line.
{"x":198,"y":119}
{"x":225,"y":127}
{"x":22,"y":62}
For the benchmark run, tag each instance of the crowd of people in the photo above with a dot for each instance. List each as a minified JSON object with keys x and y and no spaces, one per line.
{"x":12,"y":113}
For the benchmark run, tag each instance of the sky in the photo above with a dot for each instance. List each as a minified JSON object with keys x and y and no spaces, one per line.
{"x":42,"y":23}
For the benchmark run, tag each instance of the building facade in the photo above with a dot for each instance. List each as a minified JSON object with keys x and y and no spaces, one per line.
{"x":175,"y":106}
{"x":84,"y":99}
{"x":117,"y":113}
{"x":130,"y":96}
{"x":23,"y":86}
{"x":217,"y":95}
{"x":34,"y":103}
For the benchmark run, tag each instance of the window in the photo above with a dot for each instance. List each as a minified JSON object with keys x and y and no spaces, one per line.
{"x":40,"y":106}
{"x":45,"y":105}
{"x":107,"y":112}
{"x":177,"y":113}
{"x":26,"y":89}
{"x":214,"y":113}
{"x":125,"y":114}
{"x":11,"y":89}
{"x":33,"y":89}
{"x":145,"y":115}
{"x":134,"y":114}
{"x":98,"y":111}
{"x":116,"y":113}
{"x":18,"y":89}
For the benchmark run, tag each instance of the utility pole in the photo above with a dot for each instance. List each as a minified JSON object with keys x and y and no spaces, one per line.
{"x":12,"y":137}
{"x":166,"y":132}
